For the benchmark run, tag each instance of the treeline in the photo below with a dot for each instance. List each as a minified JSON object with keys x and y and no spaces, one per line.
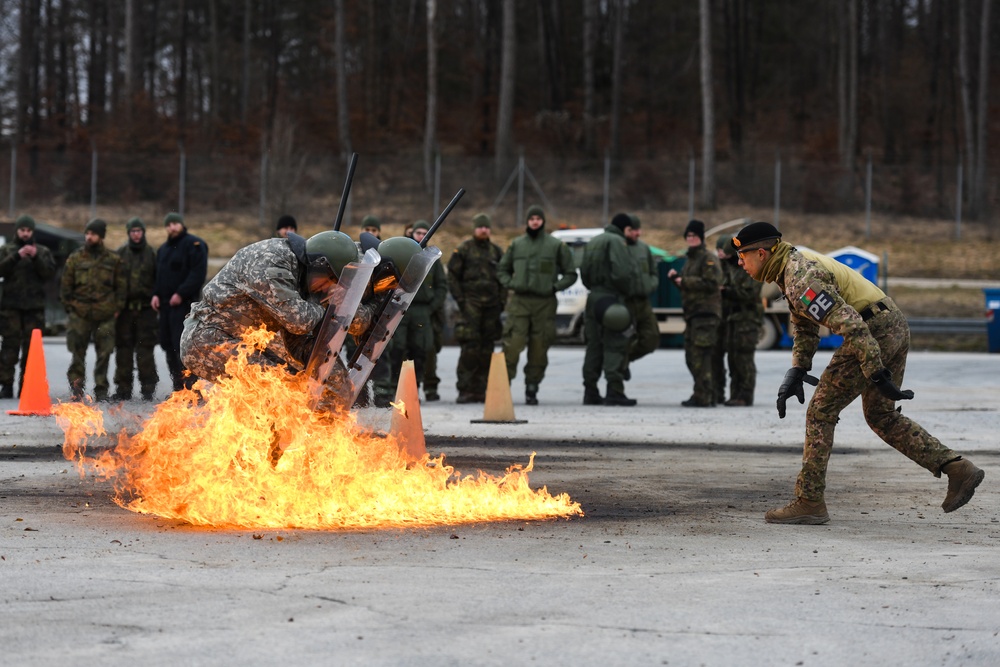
{"x":904,"y":81}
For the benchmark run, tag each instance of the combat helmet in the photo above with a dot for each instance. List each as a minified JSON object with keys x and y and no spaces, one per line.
{"x":400,"y":250}
{"x":336,"y":247}
{"x":613,"y":315}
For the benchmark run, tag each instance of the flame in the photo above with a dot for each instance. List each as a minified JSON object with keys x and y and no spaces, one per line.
{"x":399,"y":406}
{"x":248,"y":452}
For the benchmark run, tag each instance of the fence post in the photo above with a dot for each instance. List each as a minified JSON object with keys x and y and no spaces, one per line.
{"x":520,"y":186}
{"x":13,"y":178}
{"x":868,"y":197}
{"x":183,"y":178}
{"x":958,"y":203}
{"x":607,"y":190}
{"x":437,"y":181}
{"x":691,"y":177}
{"x":777,"y":189}
{"x":93,"y":184}
{"x":261,"y":214}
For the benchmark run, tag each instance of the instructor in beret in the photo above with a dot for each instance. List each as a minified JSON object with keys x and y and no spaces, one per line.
{"x":870,"y":364}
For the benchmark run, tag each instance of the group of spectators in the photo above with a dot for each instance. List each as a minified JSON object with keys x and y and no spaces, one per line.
{"x":128,"y":299}
{"x":124,"y":301}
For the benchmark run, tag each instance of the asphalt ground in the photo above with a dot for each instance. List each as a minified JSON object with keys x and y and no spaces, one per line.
{"x":672,"y":563}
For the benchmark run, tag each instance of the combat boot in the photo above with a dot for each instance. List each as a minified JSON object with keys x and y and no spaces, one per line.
{"x":531,"y":394}
{"x":801,"y":511}
{"x":465,"y":397}
{"x":592,"y":397}
{"x":122,"y":395}
{"x":431,"y":395}
{"x":963,"y":478}
{"x":619,"y":399}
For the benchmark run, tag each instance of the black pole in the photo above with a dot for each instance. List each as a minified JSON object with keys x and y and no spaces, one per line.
{"x":440,"y":219}
{"x":347,"y":192}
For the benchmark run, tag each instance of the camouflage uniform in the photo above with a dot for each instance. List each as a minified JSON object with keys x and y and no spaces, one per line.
{"x":414,"y":337}
{"x":876,"y":337}
{"x":93,"y":292}
{"x":647,"y":331}
{"x":136,"y":329}
{"x":701,"y":279}
{"x":607,"y":270}
{"x":263,"y":283}
{"x":739,"y":332}
{"x":533,"y":269}
{"x":431,"y":379}
{"x":22,"y":308}
{"x":473,"y":282}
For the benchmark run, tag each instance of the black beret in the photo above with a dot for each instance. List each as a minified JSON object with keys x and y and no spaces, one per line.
{"x":755,"y":232}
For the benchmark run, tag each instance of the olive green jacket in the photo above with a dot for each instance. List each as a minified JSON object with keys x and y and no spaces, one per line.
{"x":539,"y":266}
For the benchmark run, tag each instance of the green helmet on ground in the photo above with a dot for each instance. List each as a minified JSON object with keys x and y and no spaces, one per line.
{"x":337,"y":247}
{"x":400,"y":249}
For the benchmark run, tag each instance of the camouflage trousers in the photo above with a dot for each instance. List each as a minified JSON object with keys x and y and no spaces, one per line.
{"x":840,"y":384}
{"x":531,"y":323}
{"x":736,"y":348}
{"x":16,"y":327}
{"x":700,"y":336}
{"x":136,"y":334}
{"x":477,"y":329}
{"x":79,"y":332}
{"x":607,"y":351}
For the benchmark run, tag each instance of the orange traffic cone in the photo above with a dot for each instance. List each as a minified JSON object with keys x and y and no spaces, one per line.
{"x":35,"y":386}
{"x":499,"y":408}
{"x":406,"y":426}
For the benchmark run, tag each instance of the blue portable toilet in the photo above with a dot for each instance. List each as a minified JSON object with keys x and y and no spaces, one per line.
{"x":862,"y":261}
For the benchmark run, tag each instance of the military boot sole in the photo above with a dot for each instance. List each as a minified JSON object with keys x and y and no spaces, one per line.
{"x":965,"y":492}
{"x":801,"y":519}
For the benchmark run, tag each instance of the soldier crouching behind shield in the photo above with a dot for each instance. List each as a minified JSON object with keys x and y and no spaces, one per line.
{"x":279,"y":283}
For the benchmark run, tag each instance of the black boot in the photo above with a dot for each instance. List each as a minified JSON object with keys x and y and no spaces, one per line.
{"x":592,"y":397}
{"x":617,"y":398}
{"x":531,"y":394}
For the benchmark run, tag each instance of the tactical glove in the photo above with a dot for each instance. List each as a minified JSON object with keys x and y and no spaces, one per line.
{"x":792,"y":386}
{"x":883,"y":382}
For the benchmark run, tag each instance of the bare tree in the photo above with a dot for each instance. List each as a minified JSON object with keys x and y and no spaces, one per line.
{"x":979,"y":178}
{"x":616,"y":78}
{"x":430,"y":124}
{"x":965,"y":89}
{"x":707,"y":107}
{"x":847,"y":91}
{"x":505,"y":107}
{"x":589,"y":46}
{"x":340,"y":53}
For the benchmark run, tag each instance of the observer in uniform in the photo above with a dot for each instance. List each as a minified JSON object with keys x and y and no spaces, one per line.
{"x":276,"y":283}
{"x":647,"y":331}
{"x":699,"y":282}
{"x":869,"y":363}
{"x":475,"y":285}
{"x":414,"y":336}
{"x":24,"y":267}
{"x":136,"y":328}
{"x":534,"y":268}
{"x":93,"y":292}
{"x":742,"y":312}
{"x":612,"y":276}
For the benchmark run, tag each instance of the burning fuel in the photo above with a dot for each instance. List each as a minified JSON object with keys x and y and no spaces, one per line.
{"x":248,"y":452}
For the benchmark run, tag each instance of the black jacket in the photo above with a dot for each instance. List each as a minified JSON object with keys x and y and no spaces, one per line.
{"x":181,"y":266}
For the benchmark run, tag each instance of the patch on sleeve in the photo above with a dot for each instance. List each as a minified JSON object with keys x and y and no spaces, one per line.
{"x":818,"y":302}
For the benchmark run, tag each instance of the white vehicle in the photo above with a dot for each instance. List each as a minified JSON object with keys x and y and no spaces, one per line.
{"x":572,"y":301}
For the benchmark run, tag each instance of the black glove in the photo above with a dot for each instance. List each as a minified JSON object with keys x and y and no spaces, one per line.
{"x":883,"y":382}
{"x":792,"y":386}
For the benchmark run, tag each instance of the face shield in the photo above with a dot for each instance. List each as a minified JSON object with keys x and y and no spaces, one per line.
{"x":320,"y":277}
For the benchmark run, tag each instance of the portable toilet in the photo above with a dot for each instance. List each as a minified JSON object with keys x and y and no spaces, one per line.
{"x":862,"y":261}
